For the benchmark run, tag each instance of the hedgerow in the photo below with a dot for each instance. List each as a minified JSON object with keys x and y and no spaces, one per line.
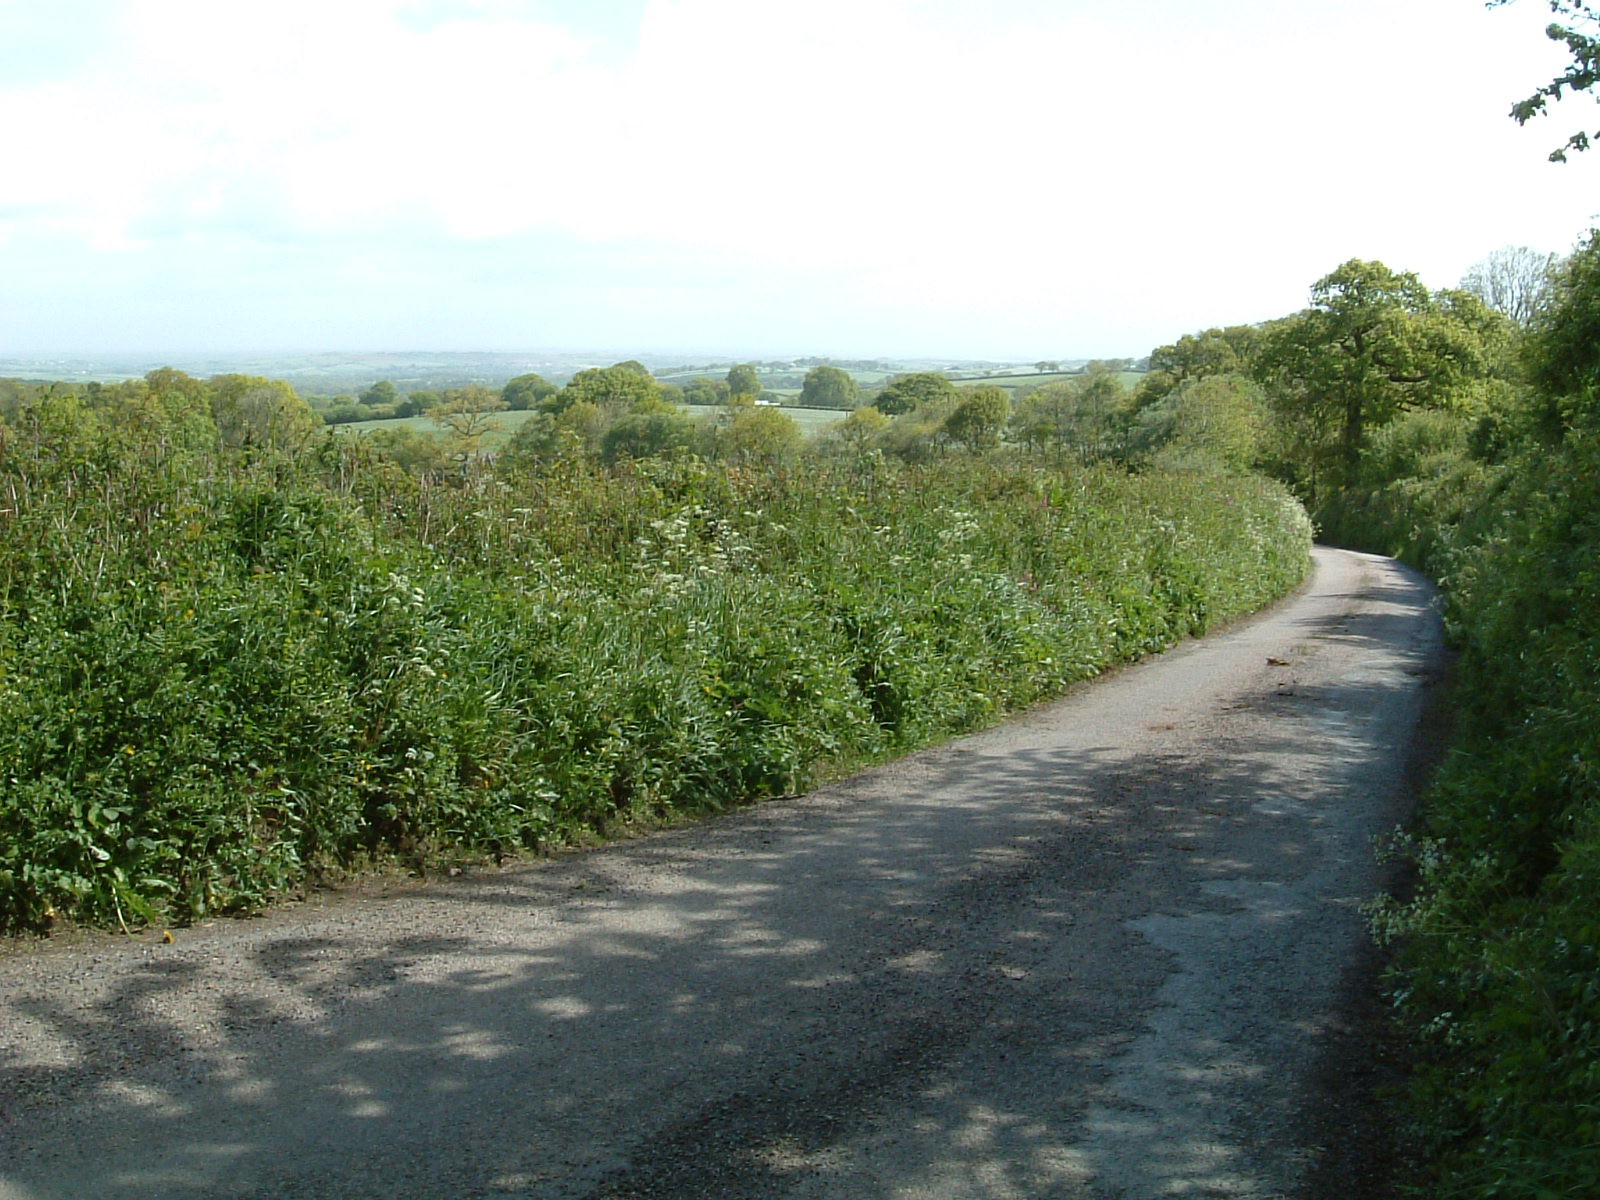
{"x":1498,"y":970}
{"x":1499,"y":974}
{"x":228,"y":671}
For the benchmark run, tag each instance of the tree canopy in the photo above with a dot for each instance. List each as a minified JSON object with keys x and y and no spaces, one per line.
{"x":857,"y":432}
{"x":1564,"y":346}
{"x":380,"y":393}
{"x":704,"y":390}
{"x":978,"y":418}
{"x":761,"y":435}
{"x":744,"y":380}
{"x":1211,"y":423}
{"x":618,"y":386}
{"x":829,"y":387}
{"x":1086,"y":417}
{"x":1373,"y":342}
{"x":1223,"y":351}
{"x":1210,"y":352}
{"x":1513,"y":280}
{"x":906,"y":392}
{"x":468,"y":413}
{"x":251,"y":411}
{"x":645,"y":434}
{"x":527,"y":391}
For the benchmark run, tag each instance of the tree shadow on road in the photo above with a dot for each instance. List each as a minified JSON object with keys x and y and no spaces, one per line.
{"x":941,"y":970}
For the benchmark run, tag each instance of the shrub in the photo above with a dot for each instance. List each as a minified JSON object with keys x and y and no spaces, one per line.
{"x":229,"y":672}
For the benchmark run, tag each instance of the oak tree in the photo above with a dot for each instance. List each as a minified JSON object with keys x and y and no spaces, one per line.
{"x":828,"y":387}
{"x":527,"y":391}
{"x":744,"y":380}
{"x":979,"y":417}
{"x":705,"y":391}
{"x":1373,"y":343}
{"x":906,"y":392}
{"x":606,"y":387}
{"x":468,"y":413}
{"x":381,"y":393}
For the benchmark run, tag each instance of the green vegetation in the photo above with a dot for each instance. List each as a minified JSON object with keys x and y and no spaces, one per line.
{"x":1461,"y":430}
{"x":527,"y":391}
{"x":1089,"y":418}
{"x":502,"y":426}
{"x":744,"y":380}
{"x":1021,"y":385}
{"x":814,"y":420}
{"x":704,"y":391}
{"x":1373,"y":344}
{"x":828,"y":387}
{"x":905,"y":392}
{"x":231,"y":665}
{"x":239,"y":652}
{"x":1500,"y":968}
{"x":242,"y":652}
{"x":1579,"y":30}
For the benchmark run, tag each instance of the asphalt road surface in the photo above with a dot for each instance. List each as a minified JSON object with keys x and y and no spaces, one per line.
{"x":1094,"y":952}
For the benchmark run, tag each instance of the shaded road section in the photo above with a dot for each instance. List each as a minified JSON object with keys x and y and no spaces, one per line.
{"x":1091,"y":953}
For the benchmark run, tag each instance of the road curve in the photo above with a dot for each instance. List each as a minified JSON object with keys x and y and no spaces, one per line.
{"x":1091,"y":953}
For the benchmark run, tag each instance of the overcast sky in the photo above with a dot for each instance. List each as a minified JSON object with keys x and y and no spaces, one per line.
{"x":954,"y":178}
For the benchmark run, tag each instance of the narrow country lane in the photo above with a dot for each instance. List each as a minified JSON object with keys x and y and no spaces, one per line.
{"x":1091,"y":953}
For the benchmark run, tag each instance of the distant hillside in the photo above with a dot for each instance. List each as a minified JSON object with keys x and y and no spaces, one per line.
{"x":319,"y":374}
{"x":330,"y":374}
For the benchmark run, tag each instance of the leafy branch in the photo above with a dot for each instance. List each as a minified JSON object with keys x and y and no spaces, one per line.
{"x":1580,"y":75}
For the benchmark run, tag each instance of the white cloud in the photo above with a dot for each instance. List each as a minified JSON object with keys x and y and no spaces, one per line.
{"x":1020,"y":167}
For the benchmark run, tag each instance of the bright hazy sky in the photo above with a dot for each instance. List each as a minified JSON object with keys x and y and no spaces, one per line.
{"x":952,"y":178}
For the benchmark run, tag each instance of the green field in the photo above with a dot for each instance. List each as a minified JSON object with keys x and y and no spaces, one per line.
{"x":813,"y":419}
{"x":1012,"y":383}
{"x":505,"y":424}
{"x":810,"y":421}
